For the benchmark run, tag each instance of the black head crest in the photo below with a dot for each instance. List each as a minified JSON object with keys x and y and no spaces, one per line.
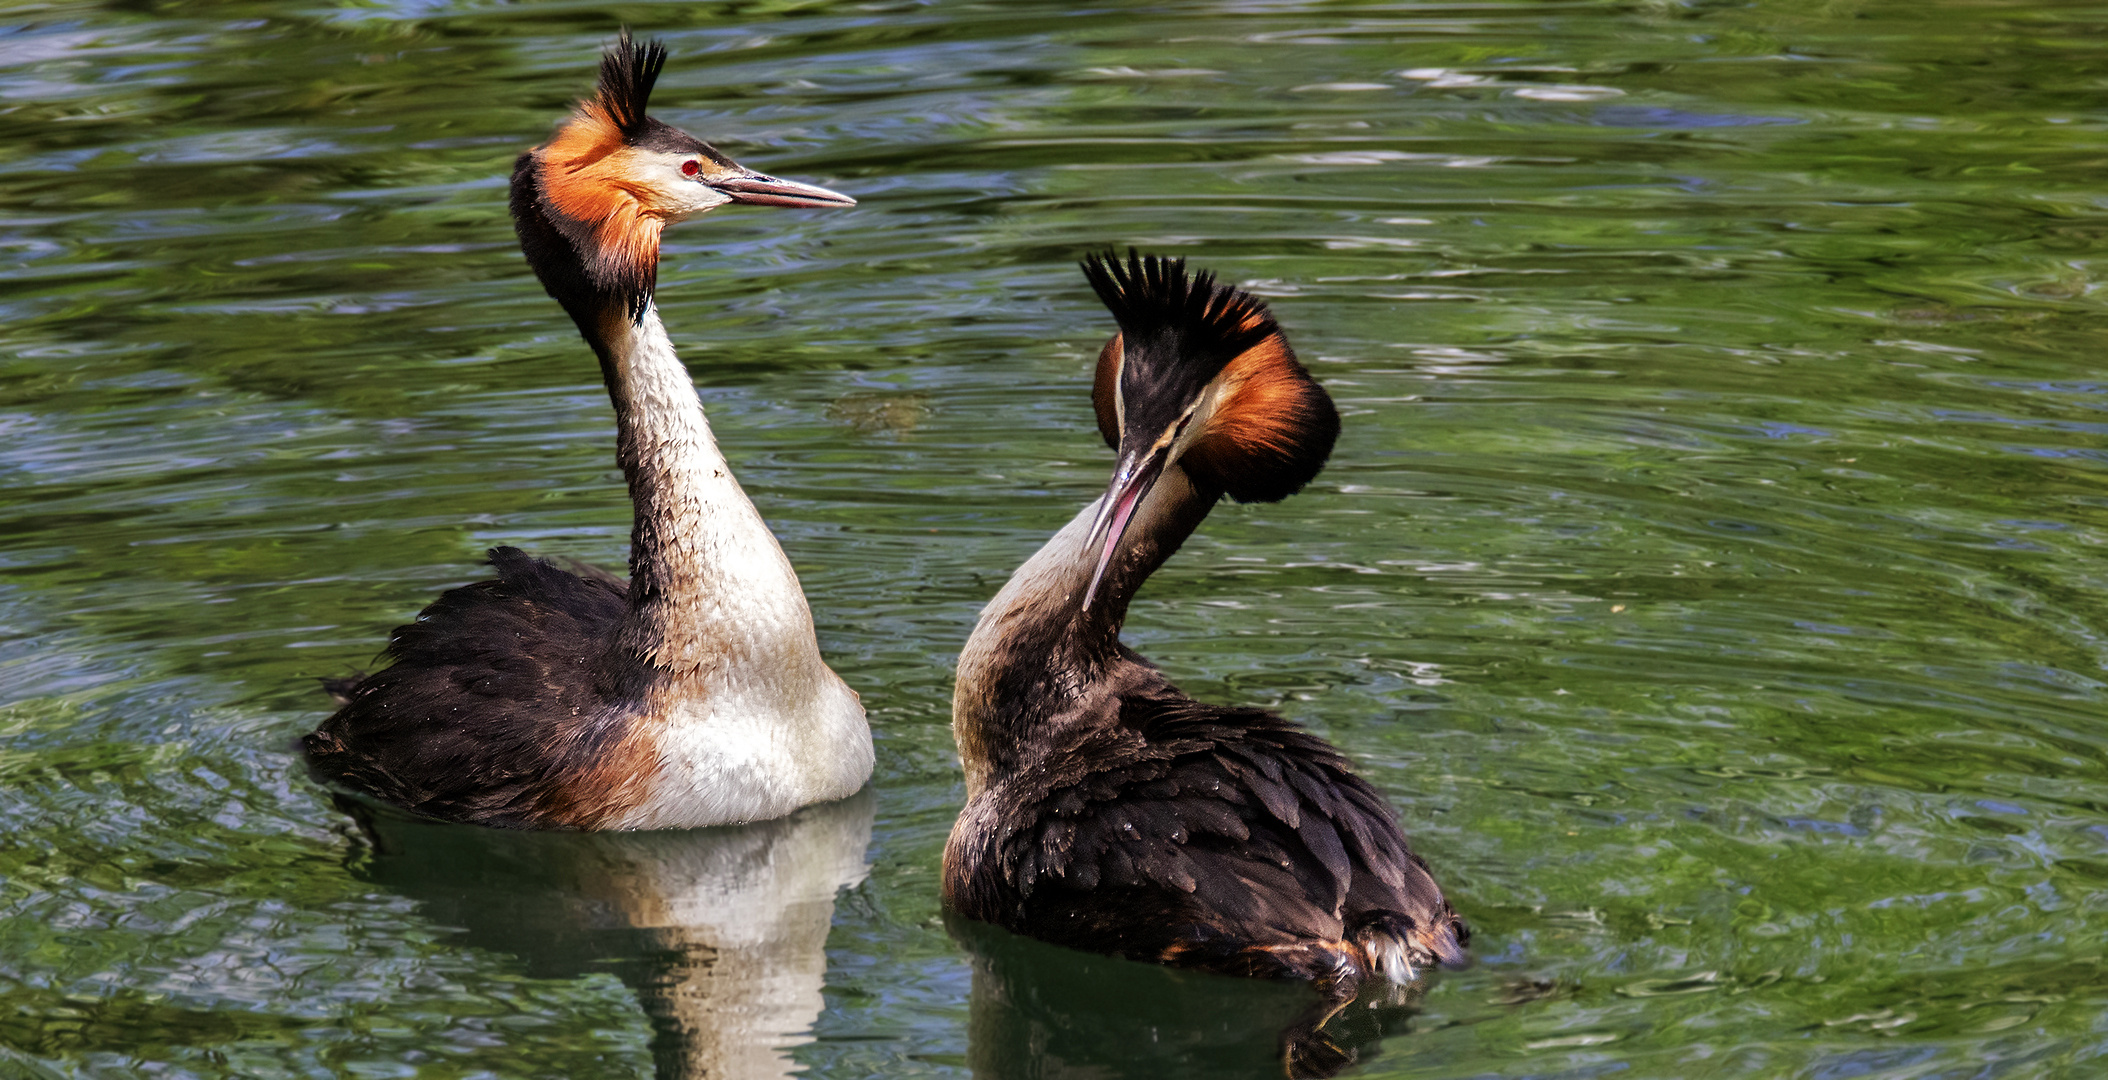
{"x":1159,"y":307}
{"x":1273,"y":428}
{"x":1177,"y":333}
{"x":627,"y":73}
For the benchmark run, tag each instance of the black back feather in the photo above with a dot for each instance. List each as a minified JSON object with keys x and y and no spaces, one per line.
{"x":1199,"y":835}
{"x":628,"y":71}
{"x":492,"y":701}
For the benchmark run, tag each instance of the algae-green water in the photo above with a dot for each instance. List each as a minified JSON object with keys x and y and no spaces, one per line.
{"x":1711,"y":568}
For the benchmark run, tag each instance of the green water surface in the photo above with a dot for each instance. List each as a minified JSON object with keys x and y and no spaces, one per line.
{"x":1711,"y":568}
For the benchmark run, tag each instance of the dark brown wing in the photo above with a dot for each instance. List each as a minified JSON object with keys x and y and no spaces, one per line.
{"x":490,"y":703}
{"x":1203,"y":836}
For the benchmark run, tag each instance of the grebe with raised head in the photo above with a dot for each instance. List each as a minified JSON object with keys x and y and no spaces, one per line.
{"x":693,"y":694}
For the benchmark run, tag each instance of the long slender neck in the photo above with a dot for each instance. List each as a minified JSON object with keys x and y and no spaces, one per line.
{"x":698,"y":548}
{"x":1039,"y":659}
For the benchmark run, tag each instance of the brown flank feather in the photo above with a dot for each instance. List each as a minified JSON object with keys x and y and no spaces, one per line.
{"x":618,"y":782}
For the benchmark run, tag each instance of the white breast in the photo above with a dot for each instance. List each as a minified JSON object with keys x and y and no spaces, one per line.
{"x":755,"y":749}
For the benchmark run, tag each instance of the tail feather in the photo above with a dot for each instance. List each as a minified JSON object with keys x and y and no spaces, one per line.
{"x":1444,"y":941}
{"x":1394,"y":944}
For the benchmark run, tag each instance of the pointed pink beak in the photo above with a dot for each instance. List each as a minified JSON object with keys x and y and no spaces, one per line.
{"x":759,"y":190}
{"x":1131,"y":483}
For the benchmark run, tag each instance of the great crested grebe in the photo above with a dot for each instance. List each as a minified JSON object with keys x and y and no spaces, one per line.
{"x":692,"y":695}
{"x":1105,"y":809}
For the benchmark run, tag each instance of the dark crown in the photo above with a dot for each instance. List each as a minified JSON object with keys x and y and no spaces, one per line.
{"x":1162,"y":311}
{"x":627,"y":73}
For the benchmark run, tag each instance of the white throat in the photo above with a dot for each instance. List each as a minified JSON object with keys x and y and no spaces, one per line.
{"x":701,"y":560}
{"x":750,"y":722}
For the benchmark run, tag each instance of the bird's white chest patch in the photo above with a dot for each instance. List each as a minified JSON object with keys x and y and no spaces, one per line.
{"x":748,"y":752}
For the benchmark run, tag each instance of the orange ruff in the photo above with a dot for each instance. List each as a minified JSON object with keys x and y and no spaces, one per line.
{"x":1265,"y":407}
{"x":586,"y":175}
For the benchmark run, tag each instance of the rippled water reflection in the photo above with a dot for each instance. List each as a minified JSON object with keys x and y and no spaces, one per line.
{"x":1709,"y":567}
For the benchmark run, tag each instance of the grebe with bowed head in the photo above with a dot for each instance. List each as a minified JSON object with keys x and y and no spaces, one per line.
{"x":1108,"y":811}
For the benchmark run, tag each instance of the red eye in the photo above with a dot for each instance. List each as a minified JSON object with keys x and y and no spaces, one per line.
{"x":690,"y":168}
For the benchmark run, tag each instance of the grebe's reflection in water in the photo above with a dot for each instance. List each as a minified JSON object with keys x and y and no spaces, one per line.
{"x":1043,"y":1012}
{"x":722,"y":932}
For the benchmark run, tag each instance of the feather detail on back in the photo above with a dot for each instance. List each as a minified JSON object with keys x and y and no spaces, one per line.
{"x":1203,"y":836}
{"x":459,"y":726}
